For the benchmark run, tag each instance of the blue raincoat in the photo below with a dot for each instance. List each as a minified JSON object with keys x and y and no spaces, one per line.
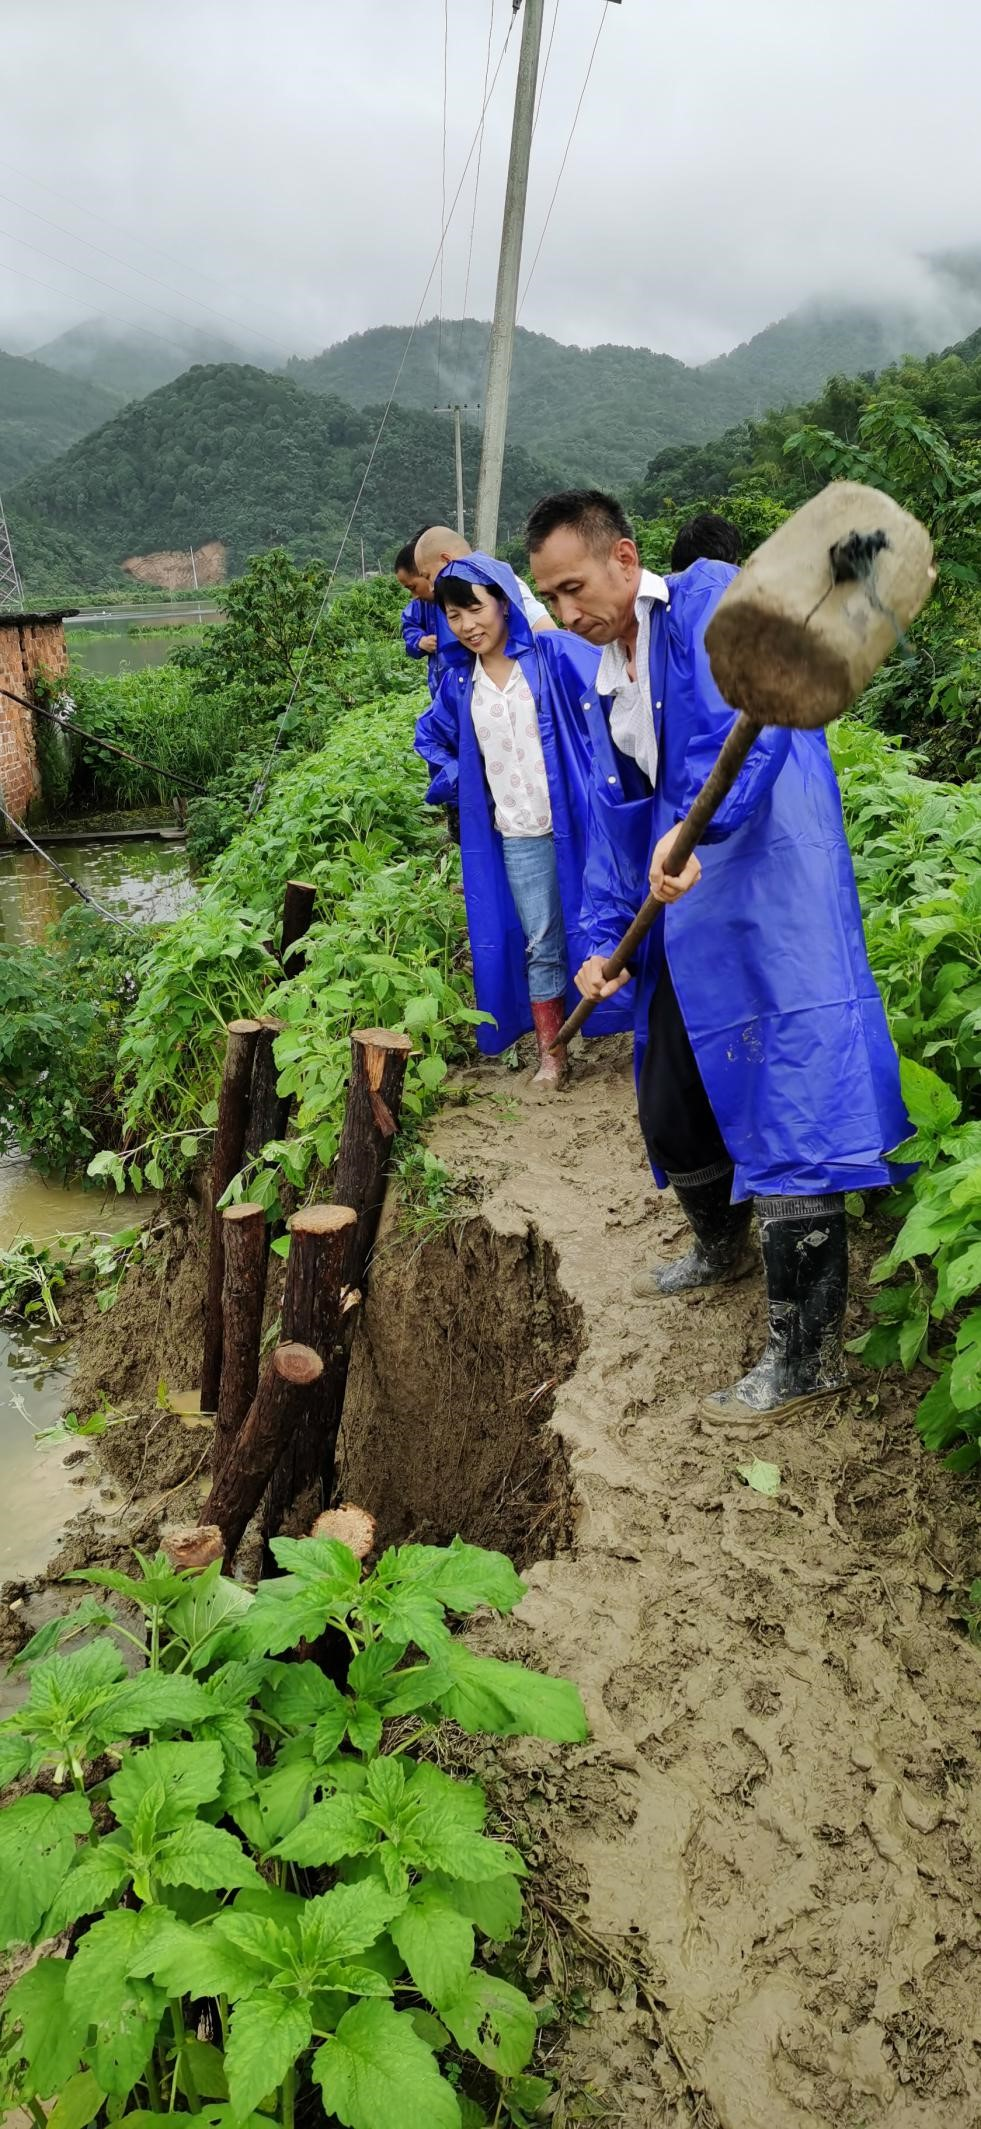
{"x":558,"y":669}
{"x":419,"y":619}
{"x":767,"y":954}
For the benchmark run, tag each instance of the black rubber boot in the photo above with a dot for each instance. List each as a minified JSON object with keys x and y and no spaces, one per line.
{"x":721,"y":1250}
{"x":805,"y":1256}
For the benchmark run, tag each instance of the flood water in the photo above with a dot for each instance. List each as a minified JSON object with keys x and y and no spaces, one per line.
{"x":136,"y":880}
{"x":139,"y":880}
{"x":103,"y":648}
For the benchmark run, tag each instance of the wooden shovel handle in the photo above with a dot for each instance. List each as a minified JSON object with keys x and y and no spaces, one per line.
{"x":718,"y":782}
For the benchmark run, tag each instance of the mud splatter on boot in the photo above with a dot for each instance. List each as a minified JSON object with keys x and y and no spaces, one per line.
{"x":722,"y":1250}
{"x":805,"y":1255}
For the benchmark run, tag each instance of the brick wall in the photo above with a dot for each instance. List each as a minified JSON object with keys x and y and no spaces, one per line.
{"x":27,"y":647}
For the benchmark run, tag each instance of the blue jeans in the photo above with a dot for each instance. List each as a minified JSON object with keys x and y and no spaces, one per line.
{"x":529,"y":861}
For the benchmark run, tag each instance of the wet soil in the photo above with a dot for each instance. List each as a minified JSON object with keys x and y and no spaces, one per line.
{"x":771,"y":1841}
{"x":790,"y":1826}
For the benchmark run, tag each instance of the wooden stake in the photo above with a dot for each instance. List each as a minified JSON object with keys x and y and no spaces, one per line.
{"x":281,"y":1402}
{"x":297,"y":918}
{"x":243,"y":1293}
{"x":268,"y":1111}
{"x":233,"y":1109}
{"x":319,"y":1238}
{"x":379,"y":1057}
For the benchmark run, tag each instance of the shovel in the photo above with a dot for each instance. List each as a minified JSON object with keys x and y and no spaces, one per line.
{"x":795,"y":638}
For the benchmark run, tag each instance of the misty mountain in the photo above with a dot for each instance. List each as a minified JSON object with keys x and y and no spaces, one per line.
{"x":231,"y":453}
{"x":598,"y":413}
{"x":41,"y":413}
{"x":131,"y":363}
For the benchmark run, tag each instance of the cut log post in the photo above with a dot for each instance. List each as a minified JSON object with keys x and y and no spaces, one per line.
{"x":268,"y":1111}
{"x":379,"y":1057}
{"x":298,"y":905}
{"x":319,"y":1238}
{"x":193,"y":1548}
{"x":233,"y":1112}
{"x":280,"y":1405}
{"x":243,"y":1294}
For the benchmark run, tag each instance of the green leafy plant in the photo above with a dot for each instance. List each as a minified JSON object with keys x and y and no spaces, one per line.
{"x":225,"y":1827}
{"x":939,"y":1241}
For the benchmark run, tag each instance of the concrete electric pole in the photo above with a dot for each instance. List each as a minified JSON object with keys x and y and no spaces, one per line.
{"x":458,"y":453}
{"x":506,"y":303}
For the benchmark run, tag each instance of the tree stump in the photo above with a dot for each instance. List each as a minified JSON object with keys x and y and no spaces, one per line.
{"x":243,"y":1294}
{"x":379,"y":1057}
{"x":268,"y":1111}
{"x":280,"y":1405}
{"x":298,"y":904}
{"x":319,"y":1238}
{"x":233,"y":1110}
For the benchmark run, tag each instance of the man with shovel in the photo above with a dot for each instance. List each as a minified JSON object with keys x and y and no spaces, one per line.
{"x":765,"y":1071}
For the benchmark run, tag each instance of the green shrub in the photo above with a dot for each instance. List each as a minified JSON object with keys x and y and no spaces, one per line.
{"x":270,"y":1843}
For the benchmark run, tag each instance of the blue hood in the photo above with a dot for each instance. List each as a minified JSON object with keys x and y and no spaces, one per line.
{"x":494,"y":576}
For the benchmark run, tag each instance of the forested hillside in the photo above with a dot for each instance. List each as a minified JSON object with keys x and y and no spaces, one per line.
{"x":914,"y":431}
{"x":231,"y":453}
{"x":42,"y":412}
{"x":597,"y":413}
{"x":132,"y":363}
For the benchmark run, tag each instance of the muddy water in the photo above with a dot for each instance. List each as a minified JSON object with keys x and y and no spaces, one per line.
{"x":141,"y":880}
{"x":35,"y":1372}
{"x":138,"y":880}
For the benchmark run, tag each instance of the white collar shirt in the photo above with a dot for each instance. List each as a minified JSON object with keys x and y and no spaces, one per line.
{"x":505,"y":721}
{"x":632,"y":715}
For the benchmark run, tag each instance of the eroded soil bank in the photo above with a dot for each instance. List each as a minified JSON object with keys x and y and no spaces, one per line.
{"x":776,"y":1823}
{"x":789,"y":1720}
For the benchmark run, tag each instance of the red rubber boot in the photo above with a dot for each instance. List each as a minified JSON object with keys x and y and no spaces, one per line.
{"x":548,"y":1015}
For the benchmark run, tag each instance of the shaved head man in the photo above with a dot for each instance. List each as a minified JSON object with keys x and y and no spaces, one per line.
{"x":440,"y":545}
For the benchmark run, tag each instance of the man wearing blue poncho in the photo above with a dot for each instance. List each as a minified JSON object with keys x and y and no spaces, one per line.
{"x":765,"y":1070}
{"x":505,"y":741}
{"x":418,"y":620}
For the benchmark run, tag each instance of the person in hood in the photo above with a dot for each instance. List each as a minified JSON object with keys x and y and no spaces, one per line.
{"x":418,"y":622}
{"x":439,"y":545}
{"x":765,"y":1071}
{"x":505,"y":741}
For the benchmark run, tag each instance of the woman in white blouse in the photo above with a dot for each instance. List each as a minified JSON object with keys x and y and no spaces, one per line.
{"x":505,"y":740}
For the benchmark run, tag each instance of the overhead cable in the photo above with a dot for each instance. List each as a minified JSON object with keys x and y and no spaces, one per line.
{"x":565,"y":158}
{"x":259,"y":791}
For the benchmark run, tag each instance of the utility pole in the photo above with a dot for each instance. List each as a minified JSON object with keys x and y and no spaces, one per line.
{"x":11,"y":588}
{"x":506,"y":302}
{"x":458,"y":451}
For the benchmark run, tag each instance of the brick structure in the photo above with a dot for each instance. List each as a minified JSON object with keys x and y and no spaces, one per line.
{"x":29,"y":644}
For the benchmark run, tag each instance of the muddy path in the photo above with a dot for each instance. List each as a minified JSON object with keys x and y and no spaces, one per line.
{"x":787,"y":1718}
{"x":776,"y":1822}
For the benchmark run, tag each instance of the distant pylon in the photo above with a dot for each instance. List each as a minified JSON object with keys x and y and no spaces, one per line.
{"x":11,"y":588}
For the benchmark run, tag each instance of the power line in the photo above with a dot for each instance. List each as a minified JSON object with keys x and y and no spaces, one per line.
{"x":548,"y":55}
{"x":476,"y":182}
{"x":82,"y":892}
{"x":97,"y":282}
{"x":565,"y":158}
{"x":132,"y":236}
{"x":127,"y":268}
{"x":442,"y":198}
{"x":259,"y":791}
{"x":66,"y":724}
{"x":134,"y":324}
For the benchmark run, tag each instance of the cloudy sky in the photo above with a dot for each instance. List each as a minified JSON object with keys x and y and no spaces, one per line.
{"x":278,"y":164}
